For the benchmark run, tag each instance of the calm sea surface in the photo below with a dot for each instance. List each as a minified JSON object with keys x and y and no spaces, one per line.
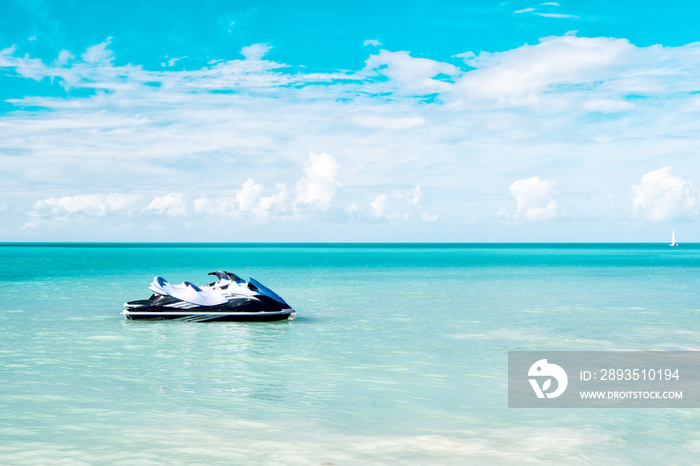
{"x":398,"y":354}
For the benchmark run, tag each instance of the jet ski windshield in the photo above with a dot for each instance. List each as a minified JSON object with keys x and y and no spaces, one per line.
{"x":266,"y":291}
{"x":222,"y":275}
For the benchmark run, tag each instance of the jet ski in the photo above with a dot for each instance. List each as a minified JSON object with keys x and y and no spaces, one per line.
{"x":229,"y":298}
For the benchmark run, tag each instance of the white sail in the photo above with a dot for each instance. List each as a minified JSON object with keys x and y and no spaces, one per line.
{"x":673,"y":238}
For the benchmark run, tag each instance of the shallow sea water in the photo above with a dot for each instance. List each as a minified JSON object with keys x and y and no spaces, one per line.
{"x":398,"y":354}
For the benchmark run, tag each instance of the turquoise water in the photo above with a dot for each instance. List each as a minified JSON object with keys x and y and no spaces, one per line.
{"x":398,"y":354}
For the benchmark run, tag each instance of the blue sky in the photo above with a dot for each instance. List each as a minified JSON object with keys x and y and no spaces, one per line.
{"x":368,"y":121}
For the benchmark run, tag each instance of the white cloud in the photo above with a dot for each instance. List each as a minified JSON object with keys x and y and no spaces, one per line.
{"x":512,"y":113}
{"x":554,"y":15}
{"x":98,"y":53}
{"x":400,"y":205}
{"x":465,"y":55}
{"x":545,"y":15}
{"x":173,"y":205}
{"x":319,"y":184}
{"x":607,"y":105}
{"x":417,"y":196}
{"x":255,"y":52}
{"x":378,"y":205}
{"x":171,"y":62}
{"x":412,"y":74}
{"x":7,"y":53}
{"x":567,"y":60}
{"x":220,"y":207}
{"x":534,"y":199}
{"x":248,"y":195}
{"x":662,"y":196}
{"x":372,"y":42}
{"x":89,"y":204}
{"x":353,"y":209}
{"x":28,"y":67}
{"x":275,"y":201}
{"x":64,"y":57}
{"x":248,"y":201}
{"x":390,"y":123}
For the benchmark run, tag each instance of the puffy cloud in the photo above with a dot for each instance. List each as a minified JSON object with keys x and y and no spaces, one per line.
{"x":255,"y":52}
{"x":89,"y":204}
{"x":32,"y":68}
{"x":173,"y":205}
{"x":249,"y":200}
{"x":534,"y":199}
{"x":247,"y":197}
{"x":275,"y":201}
{"x":319,"y":184}
{"x":378,"y":205}
{"x":64,"y":57}
{"x":372,"y":42}
{"x":171,"y":62}
{"x":417,"y":196}
{"x":353,"y":209}
{"x":412,"y":74}
{"x":662,"y":196}
{"x":567,"y":60}
{"x":465,"y":55}
{"x":98,"y":53}
{"x":400,"y":205}
{"x":222,"y":207}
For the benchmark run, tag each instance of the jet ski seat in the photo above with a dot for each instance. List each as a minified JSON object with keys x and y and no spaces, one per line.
{"x":187,"y":291}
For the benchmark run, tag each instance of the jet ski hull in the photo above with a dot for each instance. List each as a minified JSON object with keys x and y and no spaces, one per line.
{"x":210,"y":316}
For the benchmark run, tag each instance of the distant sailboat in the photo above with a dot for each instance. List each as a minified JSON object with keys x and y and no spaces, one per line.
{"x":673,"y":239}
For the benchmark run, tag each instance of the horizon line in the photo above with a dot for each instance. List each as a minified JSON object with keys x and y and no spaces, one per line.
{"x":233,"y":243}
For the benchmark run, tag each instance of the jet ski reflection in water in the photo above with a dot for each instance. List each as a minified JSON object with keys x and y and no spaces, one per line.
{"x":229,"y":298}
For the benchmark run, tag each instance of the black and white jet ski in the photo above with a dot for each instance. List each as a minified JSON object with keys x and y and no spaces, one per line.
{"x":229,"y":298}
